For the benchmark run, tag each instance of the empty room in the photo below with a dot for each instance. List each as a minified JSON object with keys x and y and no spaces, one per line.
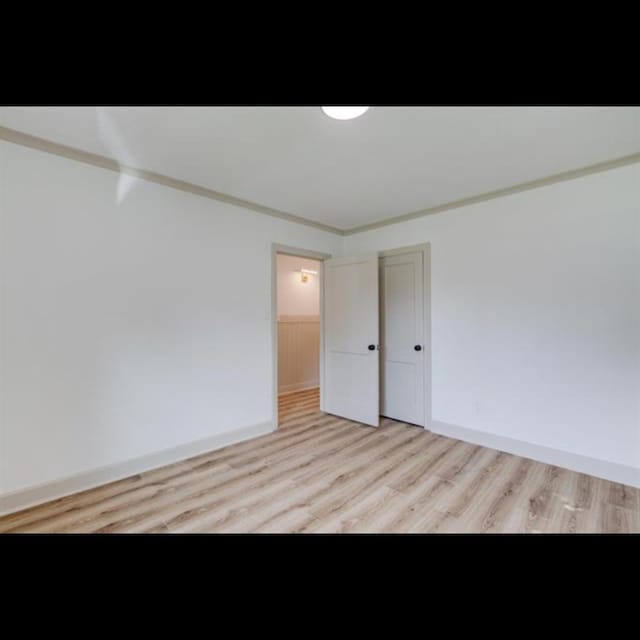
{"x":320,"y":320}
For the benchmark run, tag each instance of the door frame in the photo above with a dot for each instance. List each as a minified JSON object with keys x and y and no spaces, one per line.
{"x":298,"y":253}
{"x":425,"y":249}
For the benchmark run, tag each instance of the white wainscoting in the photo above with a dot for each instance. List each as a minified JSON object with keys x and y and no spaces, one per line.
{"x":298,"y":353}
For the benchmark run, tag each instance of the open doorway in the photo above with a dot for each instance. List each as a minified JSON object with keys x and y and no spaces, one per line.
{"x":298,"y":308}
{"x":364,"y":348}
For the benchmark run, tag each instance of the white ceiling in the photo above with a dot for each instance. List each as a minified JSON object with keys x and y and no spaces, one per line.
{"x":390,"y":162}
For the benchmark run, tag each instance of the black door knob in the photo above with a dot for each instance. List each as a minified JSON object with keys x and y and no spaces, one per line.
{"x":372,"y":347}
{"x":418,"y":347}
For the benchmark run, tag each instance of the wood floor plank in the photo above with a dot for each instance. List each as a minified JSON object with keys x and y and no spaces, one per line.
{"x":322,"y":473}
{"x":360,"y":515}
{"x":208,"y":499}
{"x":417,"y":506}
{"x":437,"y":456}
{"x":470,"y":487}
{"x":292,"y":521}
{"x":491,"y":509}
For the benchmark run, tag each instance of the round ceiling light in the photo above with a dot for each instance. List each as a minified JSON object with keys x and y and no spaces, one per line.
{"x":344,"y":113}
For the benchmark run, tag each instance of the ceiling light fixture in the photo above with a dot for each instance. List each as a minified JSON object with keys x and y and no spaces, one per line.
{"x":344,"y":113}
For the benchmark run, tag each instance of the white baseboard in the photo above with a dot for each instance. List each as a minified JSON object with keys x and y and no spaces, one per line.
{"x":31,"y":496}
{"x":591,"y":466}
{"x":298,"y":386}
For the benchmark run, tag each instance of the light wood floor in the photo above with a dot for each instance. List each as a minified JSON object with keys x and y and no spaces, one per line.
{"x":320,"y":473}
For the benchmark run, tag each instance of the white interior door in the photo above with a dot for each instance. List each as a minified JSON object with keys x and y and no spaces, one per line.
{"x":351,"y":387}
{"x":402,"y":337}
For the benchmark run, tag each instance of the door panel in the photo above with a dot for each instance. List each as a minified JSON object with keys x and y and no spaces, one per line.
{"x":351,"y":386}
{"x":401,"y":330}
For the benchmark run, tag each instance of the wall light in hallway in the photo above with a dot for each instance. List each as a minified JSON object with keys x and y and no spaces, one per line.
{"x":305,"y":273}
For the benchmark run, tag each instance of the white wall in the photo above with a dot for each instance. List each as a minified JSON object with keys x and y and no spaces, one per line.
{"x":536,"y":313}
{"x":298,"y":324}
{"x":134,"y":328}
{"x":297,"y":298}
{"x":126,"y":329}
{"x":298,"y":353}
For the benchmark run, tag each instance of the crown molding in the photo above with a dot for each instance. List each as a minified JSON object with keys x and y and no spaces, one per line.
{"x":33,"y":142}
{"x":499,"y":193}
{"x":104,"y":162}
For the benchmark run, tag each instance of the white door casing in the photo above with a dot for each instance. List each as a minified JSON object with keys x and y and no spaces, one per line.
{"x":351,"y":315}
